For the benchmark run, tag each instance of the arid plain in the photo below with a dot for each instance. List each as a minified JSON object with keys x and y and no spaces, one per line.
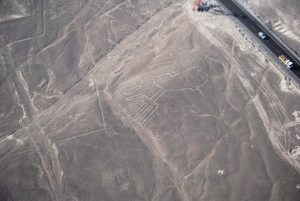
{"x":141,"y":100}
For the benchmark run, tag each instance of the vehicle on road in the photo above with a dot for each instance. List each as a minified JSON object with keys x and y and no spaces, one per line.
{"x":262,"y":35}
{"x":286,"y":61}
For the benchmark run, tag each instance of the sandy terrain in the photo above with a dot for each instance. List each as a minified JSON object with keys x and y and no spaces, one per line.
{"x":138,"y":100}
{"x":282,"y":16}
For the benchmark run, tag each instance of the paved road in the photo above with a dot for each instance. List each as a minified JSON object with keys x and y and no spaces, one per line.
{"x":255,"y":27}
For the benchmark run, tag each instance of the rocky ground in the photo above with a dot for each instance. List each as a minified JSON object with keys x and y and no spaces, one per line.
{"x":282,"y":16}
{"x":142,"y":100}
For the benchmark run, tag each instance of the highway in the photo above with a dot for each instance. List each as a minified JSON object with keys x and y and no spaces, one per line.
{"x":255,"y":27}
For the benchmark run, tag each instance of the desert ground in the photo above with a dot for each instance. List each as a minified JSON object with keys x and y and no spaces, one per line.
{"x":116,"y":100}
{"x":281,"y":16}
